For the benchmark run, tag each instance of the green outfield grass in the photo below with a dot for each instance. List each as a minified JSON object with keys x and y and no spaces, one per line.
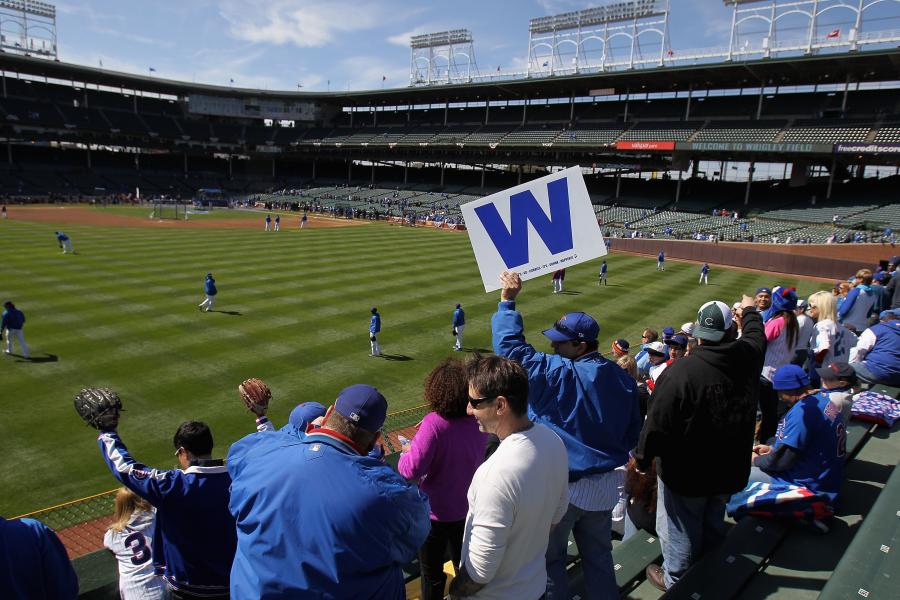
{"x":123,"y":313}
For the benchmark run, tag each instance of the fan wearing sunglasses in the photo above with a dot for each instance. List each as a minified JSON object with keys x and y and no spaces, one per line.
{"x":591,"y":404}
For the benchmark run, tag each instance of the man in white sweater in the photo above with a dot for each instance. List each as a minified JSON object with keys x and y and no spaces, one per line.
{"x":516,"y":496}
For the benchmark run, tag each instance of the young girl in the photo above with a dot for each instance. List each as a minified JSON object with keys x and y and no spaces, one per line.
{"x":130,"y":539}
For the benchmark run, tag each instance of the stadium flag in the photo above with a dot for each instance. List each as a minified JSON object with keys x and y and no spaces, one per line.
{"x":152,"y":70}
{"x":384,"y":77}
{"x":534,"y":228}
{"x":836,"y":33}
{"x":546,"y":63}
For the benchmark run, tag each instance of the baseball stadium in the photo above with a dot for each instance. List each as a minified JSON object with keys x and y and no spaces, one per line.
{"x":320,"y":233}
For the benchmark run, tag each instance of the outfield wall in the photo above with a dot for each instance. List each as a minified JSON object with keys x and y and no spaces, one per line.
{"x":814,"y":261}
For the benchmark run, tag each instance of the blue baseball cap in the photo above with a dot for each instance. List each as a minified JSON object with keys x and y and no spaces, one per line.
{"x":881,"y":276}
{"x":363,"y":405}
{"x":760,"y":290}
{"x":305,"y":413}
{"x":889,"y":314}
{"x":574,"y":326}
{"x":678,"y":340}
{"x":790,"y":377}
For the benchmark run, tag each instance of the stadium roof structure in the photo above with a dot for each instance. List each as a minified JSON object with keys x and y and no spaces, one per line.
{"x":883,"y":65}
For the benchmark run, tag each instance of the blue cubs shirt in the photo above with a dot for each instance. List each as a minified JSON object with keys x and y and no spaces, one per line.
{"x":814,"y":427}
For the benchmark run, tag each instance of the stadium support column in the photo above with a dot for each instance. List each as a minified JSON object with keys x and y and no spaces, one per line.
{"x":524,"y":111}
{"x":443,"y":166}
{"x":572,"y":107}
{"x":831,"y":177}
{"x":185,"y":164}
{"x":273,"y":167}
{"x":678,"y":189}
{"x":483,"y":170}
{"x":314,"y":169}
{"x":349,"y":171}
{"x":372,"y":177}
{"x":405,"y":172}
{"x":446,"y":110}
{"x":9,"y":159}
{"x":749,"y":182}
{"x":618,"y":182}
{"x":487,"y":110}
{"x":88,"y":156}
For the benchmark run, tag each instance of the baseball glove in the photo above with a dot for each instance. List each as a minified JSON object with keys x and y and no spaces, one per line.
{"x":99,"y":407}
{"x":256,"y":395}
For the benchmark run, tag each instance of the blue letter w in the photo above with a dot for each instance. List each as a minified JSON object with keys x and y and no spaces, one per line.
{"x":524,"y":208}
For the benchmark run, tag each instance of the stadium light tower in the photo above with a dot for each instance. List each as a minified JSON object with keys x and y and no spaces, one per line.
{"x":28,"y":27}
{"x":433,"y":57}
{"x":599,"y":25}
{"x":843,"y":31}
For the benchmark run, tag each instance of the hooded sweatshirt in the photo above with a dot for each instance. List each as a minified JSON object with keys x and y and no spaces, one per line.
{"x":702,"y":415}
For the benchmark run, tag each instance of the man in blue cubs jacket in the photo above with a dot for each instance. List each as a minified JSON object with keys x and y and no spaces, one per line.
{"x":192,"y":519}
{"x":374,"y":330}
{"x":13,"y":320}
{"x":592,"y":404}
{"x":459,"y":323}
{"x":316,"y":516}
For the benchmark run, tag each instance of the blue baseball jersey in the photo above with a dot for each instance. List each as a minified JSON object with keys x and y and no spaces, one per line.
{"x":33,"y":562}
{"x":210,"y":287}
{"x":195,"y":535}
{"x":278,"y":218}
{"x":704,"y":269}
{"x":459,"y":317}
{"x":603,"y":269}
{"x":815,"y":429}
{"x":375,"y":323}
{"x":268,"y":218}
{"x":661,"y":257}
{"x":61,"y":236}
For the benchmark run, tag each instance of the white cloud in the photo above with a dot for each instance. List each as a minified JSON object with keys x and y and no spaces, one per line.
{"x":302,"y":23}
{"x":402,"y":39}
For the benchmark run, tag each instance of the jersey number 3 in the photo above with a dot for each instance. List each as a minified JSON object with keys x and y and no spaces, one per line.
{"x":138,"y":545}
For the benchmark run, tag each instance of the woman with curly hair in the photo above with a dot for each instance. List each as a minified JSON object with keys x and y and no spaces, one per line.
{"x":442,"y":458}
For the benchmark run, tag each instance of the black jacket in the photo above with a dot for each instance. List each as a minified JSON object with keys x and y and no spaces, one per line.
{"x":702,"y":415}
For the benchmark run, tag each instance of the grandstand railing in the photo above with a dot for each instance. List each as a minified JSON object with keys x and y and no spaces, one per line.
{"x":80,"y":524}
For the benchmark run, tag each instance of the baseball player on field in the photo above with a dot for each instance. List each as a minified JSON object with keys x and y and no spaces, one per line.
{"x":130,"y":539}
{"x":661,"y":261}
{"x":64,"y":242}
{"x":704,"y":274}
{"x":277,"y":222}
{"x":603,"y":268}
{"x":13,"y":320}
{"x":459,"y":323}
{"x":209,"y":287}
{"x":374,"y":330}
{"x":303,"y":220}
{"x":268,"y":222}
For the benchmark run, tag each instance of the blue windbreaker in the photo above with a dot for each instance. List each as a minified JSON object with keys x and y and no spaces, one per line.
{"x":33,"y":562}
{"x":13,"y":318}
{"x":591,"y":403}
{"x":210,"y":287}
{"x":316,"y":519}
{"x":459,"y":317}
{"x":375,"y":323}
{"x":192,"y":518}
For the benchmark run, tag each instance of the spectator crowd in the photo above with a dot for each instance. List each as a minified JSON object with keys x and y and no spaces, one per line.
{"x":519,"y":450}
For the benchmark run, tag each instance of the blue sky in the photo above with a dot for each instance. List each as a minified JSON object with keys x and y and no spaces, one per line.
{"x":276,"y":44}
